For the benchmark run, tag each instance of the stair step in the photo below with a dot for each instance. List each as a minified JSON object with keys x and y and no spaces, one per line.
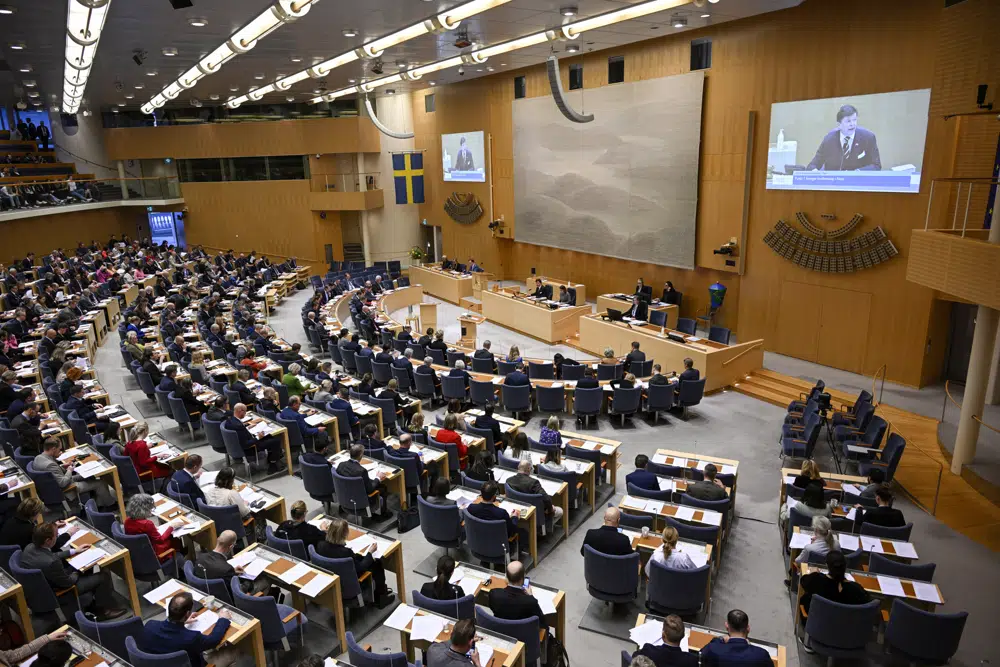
{"x":762,"y":394}
{"x":773,"y":387}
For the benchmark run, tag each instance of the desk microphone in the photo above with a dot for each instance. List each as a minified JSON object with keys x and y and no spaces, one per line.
{"x":97,"y":625}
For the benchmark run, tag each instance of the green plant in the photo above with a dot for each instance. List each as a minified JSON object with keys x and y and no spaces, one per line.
{"x":416,"y":253}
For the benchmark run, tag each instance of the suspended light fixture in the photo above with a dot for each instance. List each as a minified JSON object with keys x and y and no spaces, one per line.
{"x":84,"y":25}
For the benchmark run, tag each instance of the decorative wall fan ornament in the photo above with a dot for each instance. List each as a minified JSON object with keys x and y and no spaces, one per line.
{"x":817,"y":251}
{"x":463,"y":208}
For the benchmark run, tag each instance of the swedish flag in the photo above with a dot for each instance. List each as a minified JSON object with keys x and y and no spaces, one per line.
{"x":408,"y":173}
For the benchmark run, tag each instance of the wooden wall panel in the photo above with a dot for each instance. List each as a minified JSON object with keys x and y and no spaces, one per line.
{"x":42,"y":234}
{"x":843,"y":335}
{"x":799,"y":315}
{"x":291,"y":137}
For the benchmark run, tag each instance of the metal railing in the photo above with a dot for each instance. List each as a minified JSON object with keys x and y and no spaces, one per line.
{"x":350,"y":182}
{"x":154,"y":187}
{"x":952,"y":199}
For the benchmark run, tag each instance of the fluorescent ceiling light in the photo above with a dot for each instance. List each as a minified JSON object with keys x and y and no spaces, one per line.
{"x":512,"y":45}
{"x":572,"y":30}
{"x":7,"y":10}
{"x":84,"y":25}
{"x":451,"y":18}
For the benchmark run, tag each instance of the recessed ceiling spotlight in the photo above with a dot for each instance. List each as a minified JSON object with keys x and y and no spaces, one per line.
{"x":169,"y":51}
{"x":290,"y":98}
{"x":390,"y":91}
{"x":139,"y":86}
{"x":121,"y":104}
{"x":479,"y":69}
{"x":213,"y":96}
{"x":259,"y":76}
{"x":349,"y":32}
{"x":713,"y":1}
{"x":7,"y":10}
{"x":234,"y":89}
{"x":572,"y":48}
{"x":679,"y":22}
{"x":489,"y":69}
{"x":114,"y":110}
{"x":197,"y":22}
{"x":152,"y":72}
{"x":29,"y":83}
{"x":37,"y":103}
{"x":569,"y":10}
{"x":352,"y":81}
{"x":24,"y":68}
{"x":17,"y":46}
{"x":129,"y":96}
{"x":432,"y":83}
{"x":195,"y":102}
{"x":32,"y":93}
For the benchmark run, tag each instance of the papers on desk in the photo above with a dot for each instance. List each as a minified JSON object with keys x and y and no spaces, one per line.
{"x":926,"y":592}
{"x":771,"y":650}
{"x":789,"y":479}
{"x":654,"y":506}
{"x":872,"y":544}
{"x":87,"y":558}
{"x":851,"y":488}
{"x":890,"y":586}
{"x":163,"y":448}
{"x":510,"y":507}
{"x":426,"y":628}
{"x":633,"y":502}
{"x":316,"y":585}
{"x":462,"y":497}
{"x":295,"y":573}
{"x":360,"y":543}
{"x":187,"y":528}
{"x":695,"y":552}
{"x":88,"y":470}
{"x":723,"y":469}
{"x":849,"y":542}
{"x":665,"y":483}
{"x":202,"y":621}
{"x":70,"y":453}
{"x":904,"y":549}
{"x":242,"y":559}
{"x":799,"y":541}
{"x":684,"y":513}
{"x":485,"y":653}
{"x":401,"y":617}
{"x":316,"y":419}
{"x":253,"y":568}
{"x":546,"y":600}
{"x":207,"y":478}
{"x":650,"y":632}
{"x":166,"y":590}
{"x":249,"y":495}
{"x":165,"y":506}
{"x":261,"y":429}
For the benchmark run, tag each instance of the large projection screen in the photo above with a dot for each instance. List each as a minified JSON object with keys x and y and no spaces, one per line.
{"x":624,"y":185}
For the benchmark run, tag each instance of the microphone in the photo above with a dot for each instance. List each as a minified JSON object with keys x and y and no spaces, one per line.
{"x":91,"y":616}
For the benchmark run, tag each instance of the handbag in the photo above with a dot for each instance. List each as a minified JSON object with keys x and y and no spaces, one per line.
{"x":408,"y":519}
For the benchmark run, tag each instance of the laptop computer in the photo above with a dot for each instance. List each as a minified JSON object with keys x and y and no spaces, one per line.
{"x":614,"y":315}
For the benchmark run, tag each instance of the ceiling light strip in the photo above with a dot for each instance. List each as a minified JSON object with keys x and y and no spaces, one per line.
{"x":568,"y":31}
{"x":241,"y":41}
{"x":447,"y":20}
{"x":84,"y":25}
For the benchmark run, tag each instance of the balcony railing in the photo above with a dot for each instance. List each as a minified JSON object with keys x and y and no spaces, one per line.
{"x":352,"y":182}
{"x":103,"y":189}
{"x":953,"y":200}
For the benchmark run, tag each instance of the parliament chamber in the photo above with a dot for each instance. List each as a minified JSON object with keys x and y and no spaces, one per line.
{"x":499,"y":333}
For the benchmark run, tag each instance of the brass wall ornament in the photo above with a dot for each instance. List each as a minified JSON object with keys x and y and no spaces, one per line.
{"x":463,"y":208}
{"x":817,"y":252}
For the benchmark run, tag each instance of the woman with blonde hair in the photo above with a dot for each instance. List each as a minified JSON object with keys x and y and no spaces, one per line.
{"x":514,"y":354}
{"x":823,"y":542}
{"x":198,"y":364}
{"x":335,"y":546}
{"x":270,"y":401}
{"x":550,"y":432}
{"x":137,"y":449}
{"x":667,"y":553}
{"x":808,"y":475}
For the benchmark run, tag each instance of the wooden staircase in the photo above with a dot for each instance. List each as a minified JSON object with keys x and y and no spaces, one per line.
{"x":780,"y":390}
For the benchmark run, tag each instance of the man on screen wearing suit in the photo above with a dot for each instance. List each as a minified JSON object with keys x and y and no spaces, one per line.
{"x":464,"y":161}
{"x":848,"y":147}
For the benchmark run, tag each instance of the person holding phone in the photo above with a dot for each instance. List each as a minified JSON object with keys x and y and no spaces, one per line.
{"x":514,"y":602}
{"x":459,"y":650}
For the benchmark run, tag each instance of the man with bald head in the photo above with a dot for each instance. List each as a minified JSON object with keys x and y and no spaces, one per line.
{"x":515,"y":602}
{"x":214,"y":564}
{"x":606,"y":539}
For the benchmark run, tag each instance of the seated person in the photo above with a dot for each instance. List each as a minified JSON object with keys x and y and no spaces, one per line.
{"x":514,"y":355}
{"x":487,"y":421}
{"x":658,"y":377}
{"x":589,"y":379}
{"x":669,"y":653}
{"x":640,"y":476}
{"x":186,"y":479}
{"x":20,"y":524}
{"x":297,"y":528}
{"x":709,"y":488}
{"x":292,"y":381}
{"x":214,"y":564}
{"x":271,"y":403}
{"x":149,"y":366}
{"x":481,"y":468}
{"x":325,"y":392}
{"x":876,"y":480}
{"x":370,"y":440}
{"x":169,"y":380}
{"x":405,"y":452}
{"x":310,"y":434}
{"x":523,"y":482}
{"x":48,"y":461}
{"x":809,"y":475}
{"x":137,"y":449}
{"x":223,"y":493}
{"x":459,"y":371}
{"x":427,"y":368}
{"x":441,"y":588}
{"x":634,"y":356}
{"x":249,"y":442}
{"x":367,"y":385}
{"x":484,"y":353}
{"x":416,"y":425}
{"x":606,"y":539}
{"x":138,"y":521}
{"x":689,"y":373}
{"x":627,"y":381}
{"x":638,"y":310}
{"x":565,"y":296}
{"x":832,"y":584}
{"x":540,"y":291}
{"x":558,"y":361}
{"x":240,"y":387}
{"x":335,"y":546}
{"x":884,"y":514}
{"x":172,"y":634}
{"x":343,"y":403}
{"x":550,"y":432}
{"x":517,"y":377}
{"x":194,"y":407}
{"x":735,"y":649}
{"x":667,"y":553}
{"x":489,"y":510}
{"x":448,"y":434}
{"x":553,"y":462}
{"x":439,"y":492}
{"x":514,"y":602}
{"x":374,"y":488}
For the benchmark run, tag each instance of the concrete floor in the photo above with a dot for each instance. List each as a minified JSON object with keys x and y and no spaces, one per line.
{"x":726,"y":424}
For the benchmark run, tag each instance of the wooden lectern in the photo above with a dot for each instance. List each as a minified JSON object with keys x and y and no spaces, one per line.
{"x":469,"y":323}
{"x":481,"y":281}
{"x":428,"y":316}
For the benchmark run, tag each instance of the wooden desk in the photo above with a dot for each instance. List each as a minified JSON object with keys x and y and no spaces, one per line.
{"x":608,"y":448}
{"x":556,"y":489}
{"x":469,"y":324}
{"x":659,"y":509}
{"x":831,"y":480}
{"x":13,"y":598}
{"x":872,"y":584}
{"x":893,"y":549}
{"x":581,"y":290}
{"x":697,"y":636}
{"x":693,"y":461}
{"x":244,"y":631}
{"x":428,"y":316}
{"x":387,"y":549}
{"x":623,"y":302}
{"x":585,"y":471}
{"x":448,"y":285}
{"x":195,"y":528}
{"x":91,"y":653}
{"x":720,"y":365}
{"x":536,"y":320}
{"x":118,"y":559}
{"x":85,"y":454}
{"x":16,"y":479}
{"x":465,"y":496}
{"x":276,"y":430}
{"x":394,"y":481}
{"x":479,"y":581}
{"x":507,"y":651}
{"x":429,"y":456}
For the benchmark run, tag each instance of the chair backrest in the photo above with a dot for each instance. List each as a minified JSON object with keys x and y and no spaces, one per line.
{"x":626,"y":399}
{"x":480,"y":365}
{"x":440,"y":524}
{"x":402,"y":378}
{"x":264,"y":608}
{"x":102,"y":521}
{"x":719,"y":335}
{"x":550,"y":399}
{"x":79,"y":428}
{"x":126,"y":471}
{"x":487,"y":539}
{"x":226,"y":517}
{"x":536,"y":499}
{"x":524,"y":630}
{"x":481,"y":392}
{"x":217,"y":587}
{"x":572,"y":372}
{"x":362,"y":658}
{"x":892,"y":455}
{"x":540,"y":370}
{"x":213,"y":430}
{"x":658,"y":318}
{"x":388,"y":409}
{"x":878,"y":564}
{"x":174,"y":493}
{"x":142,"y":659}
{"x":639,"y":521}
{"x":37,"y":591}
{"x":686,"y":325}
{"x":453,"y":387}
{"x":610,"y":371}
{"x":462,"y":608}
{"x":659,"y":397}
{"x":691,"y":392}
{"x":588,"y":401}
{"x":842,"y":627}
{"x":674,"y":590}
{"x":380,"y":372}
{"x":505,"y":367}
{"x":438,"y":356}
{"x":144,"y":560}
{"x":110,"y":634}
{"x":923,"y":636}
{"x":296,"y":548}
{"x":351,"y":493}
{"x":569,"y":477}
{"x":231,"y":439}
{"x":145,"y":382}
{"x":470,"y":482}
{"x":294,"y":433}
{"x":516,"y":398}
{"x":178,"y":409}
{"x":901,"y":533}
{"x":46,"y":486}
{"x":611,"y":577}
{"x":317,"y":480}
{"x":706,"y":534}
{"x":364,"y":364}
{"x":411,"y":473}
{"x":350,"y":586}
{"x":350,"y":363}
{"x":875,"y":431}
{"x":452,"y":448}
{"x":486,"y":434}
{"x":634,"y":490}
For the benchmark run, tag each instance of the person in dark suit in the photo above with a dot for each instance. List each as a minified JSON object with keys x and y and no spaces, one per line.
{"x":403,"y":361}
{"x":670,"y":653}
{"x":342,"y":403}
{"x":404,"y":451}
{"x":297,"y":528}
{"x":84,"y":407}
{"x":463,"y":159}
{"x":514,"y":602}
{"x":187,"y":478}
{"x":382,"y":357}
{"x":459,"y":372}
{"x":540,"y":291}
{"x":26,"y":425}
{"x":635,"y":355}
{"x":426,"y":339}
{"x":352,"y":468}
{"x":427,"y":368}
{"x":689,"y":373}
{"x":589,"y":379}
{"x":735,"y":650}
{"x":335,"y":546}
{"x":709,"y":488}
{"x":884,"y":514}
{"x":670,"y":295}
{"x":847,"y":147}
{"x":315,"y":434}
{"x":606,"y":539}
{"x":240,"y":387}
{"x":638,"y":310}
{"x":269,"y":444}
{"x":640,"y":476}
{"x":485,"y":509}
{"x":438,"y":342}
{"x":441,"y":587}
{"x":518,"y":378}
{"x":404,"y":335}
{"x":171,"y":634}
{"x":484,"y":353}
{"x":523,"y":482}
{"x":488,"y":421}
{"x":658,"y":377}
{"x":8,"y":394}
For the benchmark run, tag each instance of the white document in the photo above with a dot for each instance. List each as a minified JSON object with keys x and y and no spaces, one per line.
{"x":457,"y":575}
{"x":253,"y":569}
{"x":485,"y":653}
{"x":711,"y":518}
{"x":294,"y":573}
{"x":88,"y":470}
{"x":202,"y":621}
{"x":654,"y":506}
{"x":850,"y":488}
{"x":165,"y":506}
{"x":360,"y":543}
{"x":650,"y":632}
{"x":872,"y":544}
{"x":242,"y":559}
{"x":187,"y":528}
{"x":926,"y":592}
{"x":546,"y":600}
{"x":164,"y":448}
{"x":607,"y":449}
{"x":905,"y":549}
{"x":511,"y":507}
{"x":470,"y":585}
{"x":207,"y":478}
{"x":401,"y":617}
{"x":163,"y":591}
{"x":684,"y":513}
{"x":315,"y":585}
{"x":848,"y":542}
{"x":70,"y":453}
{"x":426,"y":628}
{"x":890,"y":586}
{"x":633,"y":502}
{"x":249,"y":495}
{"x":799,"y":541}
{"x":728,"y":470}
{"x":660,"y":459}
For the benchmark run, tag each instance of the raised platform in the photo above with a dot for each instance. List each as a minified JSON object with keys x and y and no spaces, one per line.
{"x":966,"y":507}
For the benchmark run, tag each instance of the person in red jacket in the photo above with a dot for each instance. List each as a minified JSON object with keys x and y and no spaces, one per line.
{"x":449,"y":433}
{"x":137,"y":449}
{"x":138,"y":514}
